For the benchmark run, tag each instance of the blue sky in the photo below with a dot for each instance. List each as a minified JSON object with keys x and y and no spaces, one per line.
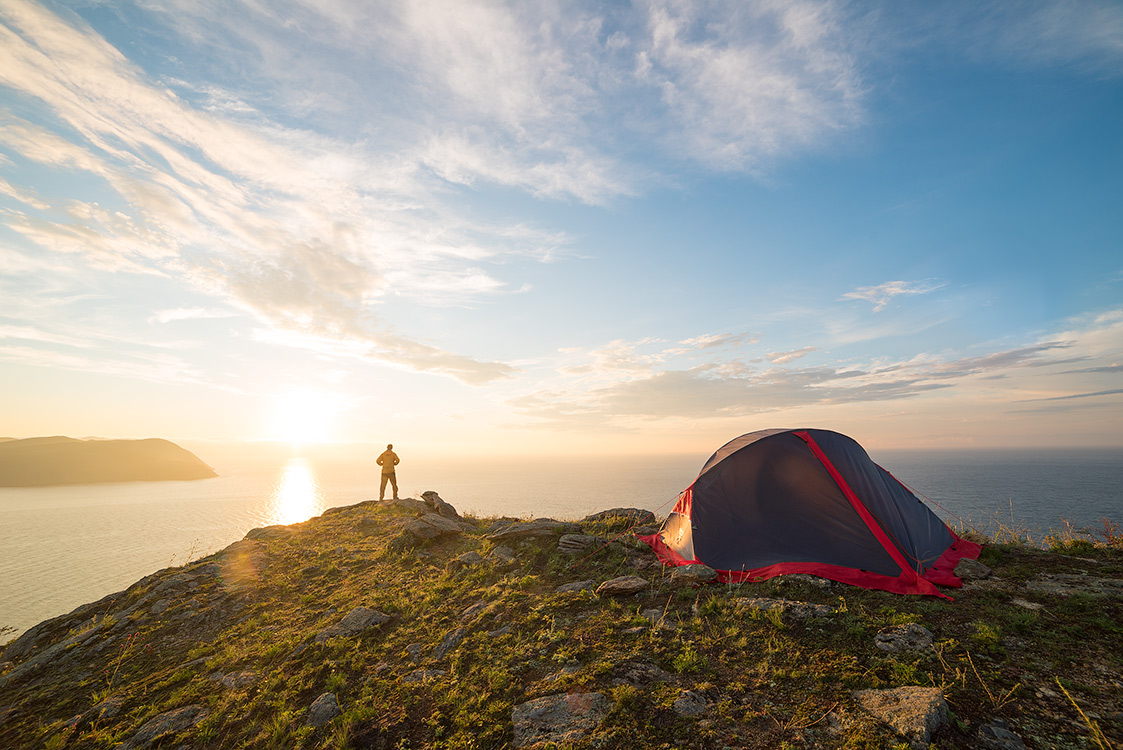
{"x":562,"y":227}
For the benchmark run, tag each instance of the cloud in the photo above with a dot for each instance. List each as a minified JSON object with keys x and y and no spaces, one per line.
{"x":766,"y":80}
{"x":298,"y":230}
{"x":779,"y":358}
{"x":188,"y":313}
{"x":649,"y":390}
{"x":882,"y":294}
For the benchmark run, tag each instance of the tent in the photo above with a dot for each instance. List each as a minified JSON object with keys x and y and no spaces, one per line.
{"x":809,"y":501}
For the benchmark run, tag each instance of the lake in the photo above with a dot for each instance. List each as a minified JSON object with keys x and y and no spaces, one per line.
{"x":61,"y":547}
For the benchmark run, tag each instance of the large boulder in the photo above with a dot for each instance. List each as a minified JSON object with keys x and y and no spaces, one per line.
{"x":539,"y":527}
{"x":439,"y":506}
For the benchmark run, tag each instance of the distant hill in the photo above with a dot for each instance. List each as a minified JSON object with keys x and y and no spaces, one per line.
{"x":38,"y":462}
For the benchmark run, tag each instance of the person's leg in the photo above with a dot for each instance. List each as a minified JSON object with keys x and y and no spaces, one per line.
{"x":394,"y":482}
{"x":382,"y":487}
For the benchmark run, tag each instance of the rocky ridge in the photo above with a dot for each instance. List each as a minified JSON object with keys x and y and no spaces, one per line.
{"x":403,"y":622}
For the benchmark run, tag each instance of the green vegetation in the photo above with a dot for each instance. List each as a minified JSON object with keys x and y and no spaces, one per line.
{"x":235,"y":633}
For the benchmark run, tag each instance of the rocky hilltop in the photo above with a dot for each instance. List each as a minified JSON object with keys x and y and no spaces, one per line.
{"x":39,"y":462}
{"x":403,"y":624}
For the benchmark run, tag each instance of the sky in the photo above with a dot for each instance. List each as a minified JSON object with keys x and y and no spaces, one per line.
{"x":562,"y":227}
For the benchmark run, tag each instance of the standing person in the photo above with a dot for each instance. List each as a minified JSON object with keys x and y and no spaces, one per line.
{"x":388,"y":460}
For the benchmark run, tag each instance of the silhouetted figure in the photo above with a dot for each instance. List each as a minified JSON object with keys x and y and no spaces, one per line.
{"x":388,"y":460}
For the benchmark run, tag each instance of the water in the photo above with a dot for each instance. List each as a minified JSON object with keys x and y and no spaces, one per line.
{"x":61,"y":547}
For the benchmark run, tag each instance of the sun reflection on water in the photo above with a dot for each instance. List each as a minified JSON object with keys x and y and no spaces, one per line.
{"x":296,"y":496}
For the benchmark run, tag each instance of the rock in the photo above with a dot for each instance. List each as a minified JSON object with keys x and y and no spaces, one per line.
{"x":796,"y":610}
{"x":165,"y":726}
{"x":540,"y":527}
{"x":816,"y":581}
{"x":423,"y":675}
{"x":690,"y":703}
{"x":475,"y":611}
{"x":908,"y":637}
{"x":357,"y":620}
{"x":471,"y":557}
{"x":559,"y":719}
{"x":578,"y":543}
{"x":622,"y":586}
{"x":913,"y":712}
{"x":997,"y":736}
{"x":323,"y":710}
{"x":411,"y":504}
{"x":971,"y":570}
{"x":566,"y":588}
{"x":636,"y":515}
{"x":1034,"y":606}
{"x":660,"y":619}
{"x":1067,"y":584}
{"x":692,"y":574}
{"x":440,"y":507}
{"x":451,"y":640}
{"x":504,"y":555}
{"x":432,"y":526}
{"x":238,"y":680}
{"x":639,"y":673}
{"x":414,"y":651}
{"x":107,"y":709}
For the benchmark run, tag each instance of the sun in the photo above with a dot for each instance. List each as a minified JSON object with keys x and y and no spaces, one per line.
{"x":302,"y":416}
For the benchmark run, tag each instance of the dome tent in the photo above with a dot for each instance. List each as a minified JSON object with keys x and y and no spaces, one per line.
{"x":809,"y":501}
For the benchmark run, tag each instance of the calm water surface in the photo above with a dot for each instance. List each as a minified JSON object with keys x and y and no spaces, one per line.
{"x":61,"y":547}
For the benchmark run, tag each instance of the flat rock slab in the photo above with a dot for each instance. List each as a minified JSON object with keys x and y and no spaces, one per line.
{"x":908,"y":637}
{"x":1067,"y":584}
{"x":431,"y":526}
{"x":797,"y":610}
{"x":559,"y":719}
{"x":567,"y":588}
{"x":622,"y":586}
{"x":913,"y":712}
{"x":539,"y":527}
{"x":971,"y":570}
{"x":636,"y":515}
{"x":694,"y":573}
{"x":356,"y":621}
{"x":165,"y":726}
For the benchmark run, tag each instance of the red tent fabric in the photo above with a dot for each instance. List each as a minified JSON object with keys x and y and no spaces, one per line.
{"x":809,"y":501}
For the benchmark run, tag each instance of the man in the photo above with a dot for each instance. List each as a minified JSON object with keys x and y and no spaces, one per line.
{"x":388,"y":460}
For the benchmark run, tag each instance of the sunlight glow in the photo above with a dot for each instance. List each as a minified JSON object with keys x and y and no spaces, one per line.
{"x":302,"y":416}
{"x":296,"y":497}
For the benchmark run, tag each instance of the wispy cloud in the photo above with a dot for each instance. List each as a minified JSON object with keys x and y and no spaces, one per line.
{"x":649,"y":390}
{"x":779,"y":358}
{"x":882,"y":294}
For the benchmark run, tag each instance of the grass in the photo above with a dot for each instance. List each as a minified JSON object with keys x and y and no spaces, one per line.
{"x":768,"y":681}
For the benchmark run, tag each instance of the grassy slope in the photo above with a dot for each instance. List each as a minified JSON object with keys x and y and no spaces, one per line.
{"x":769,"y":682}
